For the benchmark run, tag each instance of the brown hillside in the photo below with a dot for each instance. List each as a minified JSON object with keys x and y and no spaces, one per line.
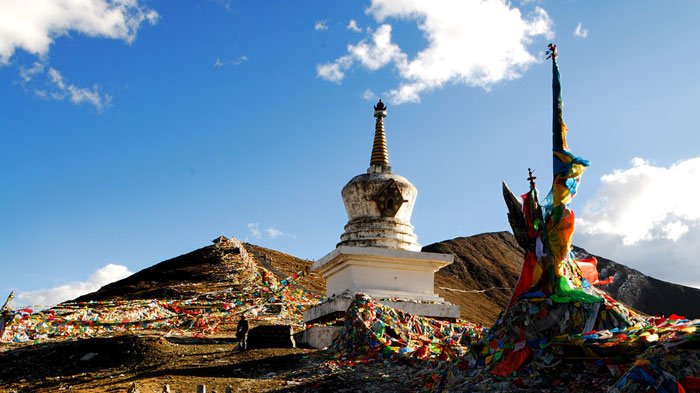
{"x":485,"y":269}
{"x":284,"y":265}
{"x":480,"y":281}
{"x":200,"y":271}
{"x":179,"y":277}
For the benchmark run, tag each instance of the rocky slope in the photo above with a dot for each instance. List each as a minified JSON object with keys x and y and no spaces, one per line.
{"x":494,"y":260}
{"x":644,"y":293}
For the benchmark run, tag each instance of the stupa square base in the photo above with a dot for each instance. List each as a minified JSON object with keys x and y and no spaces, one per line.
{"x":335,"y":308}
{"x":382,"y":272}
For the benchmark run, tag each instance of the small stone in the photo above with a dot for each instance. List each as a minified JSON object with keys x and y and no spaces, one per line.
{"x":88,"y":356}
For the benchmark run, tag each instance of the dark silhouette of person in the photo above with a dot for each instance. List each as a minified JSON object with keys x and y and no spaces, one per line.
{"x":242,"y":333}
{"x":5,"y":319}
{"x":6,"y":314}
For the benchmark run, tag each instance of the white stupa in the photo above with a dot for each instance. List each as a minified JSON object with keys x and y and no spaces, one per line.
{"x":378,"y":253}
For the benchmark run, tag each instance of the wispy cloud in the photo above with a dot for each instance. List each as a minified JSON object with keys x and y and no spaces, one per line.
{"x":76,"y":94}
{"x":321,"y":25}
{"x":254,"y":229}
{"x":268,"y":233}
{"x":235,"y":61}
{"x":226,"y":5}
{"x":580,"y":31}
{"x":48,"y":83}
{"x":273,"y":233}
{"x":472,"y":43}
{"x":368,"y":95}
{"x":352,"y":25}
{"x":647,"y":216}
{"x":51,"y":296}
{"x":239,"y":60}
{"x":27,"y":74}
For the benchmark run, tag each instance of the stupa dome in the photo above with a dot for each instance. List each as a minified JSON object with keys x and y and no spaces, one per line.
{"x":379,"y":203}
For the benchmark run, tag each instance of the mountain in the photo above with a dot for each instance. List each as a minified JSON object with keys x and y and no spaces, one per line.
{"x":480,"y":281}
{"x":200,"y":271}
{"x":492,"y":261}
{"x":644,"y":293}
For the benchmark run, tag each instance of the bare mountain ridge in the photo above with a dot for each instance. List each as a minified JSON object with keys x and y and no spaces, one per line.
{"x":197,"y":272}
{"x":480,"y":281}
{"x":647,"y":294}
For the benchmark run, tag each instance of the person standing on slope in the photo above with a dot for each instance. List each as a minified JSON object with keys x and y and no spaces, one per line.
{"x":242,"y":333}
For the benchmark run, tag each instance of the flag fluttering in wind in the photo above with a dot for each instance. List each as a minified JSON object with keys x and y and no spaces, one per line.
{"x":555,"y":295}
{"x":549,"y":267}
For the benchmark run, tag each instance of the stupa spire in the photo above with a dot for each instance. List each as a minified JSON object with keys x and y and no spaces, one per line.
{"x":379,"y":162}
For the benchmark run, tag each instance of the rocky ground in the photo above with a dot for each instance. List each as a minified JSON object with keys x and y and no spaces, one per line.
{"x":114,"y":364}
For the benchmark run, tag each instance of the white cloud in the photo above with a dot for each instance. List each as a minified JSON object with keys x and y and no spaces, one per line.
{"x":27,"y":74}
{"x":379,"y":52}
{"x":273,"y":233}
{"x":320,"y":25}
{"x":51,"y":296}
{"x":60,"y":90}
{"x":227,"y":5}
{"x":268,"y":233}
{"x":55,"y":87}
{"x":580,"y":31}
{"x":235,"y":61}
{"x":34,"y":25}
{"x":647,"y":216}
{"x":476,"y":43}
{"x":352,"y":25}
{"x":368,"y":95}
{"x":335,"y":71}
{"x":254,"y":229}
{"x":108,"y":274}
{"x":375,"y":54}
{"x":239,"y":60}
{"x":645,"y":202}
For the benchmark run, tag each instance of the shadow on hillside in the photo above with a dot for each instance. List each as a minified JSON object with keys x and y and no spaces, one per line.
{"x":360,"y":378}
{"x":267,"y":367}
{"x":201,"y":340}
{"x":43,"y":364}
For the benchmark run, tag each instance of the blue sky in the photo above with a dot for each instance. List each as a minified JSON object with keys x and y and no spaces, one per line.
{"x":135,"y":131}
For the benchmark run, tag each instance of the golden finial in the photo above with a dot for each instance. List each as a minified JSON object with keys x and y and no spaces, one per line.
{"x":380,"y":154}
